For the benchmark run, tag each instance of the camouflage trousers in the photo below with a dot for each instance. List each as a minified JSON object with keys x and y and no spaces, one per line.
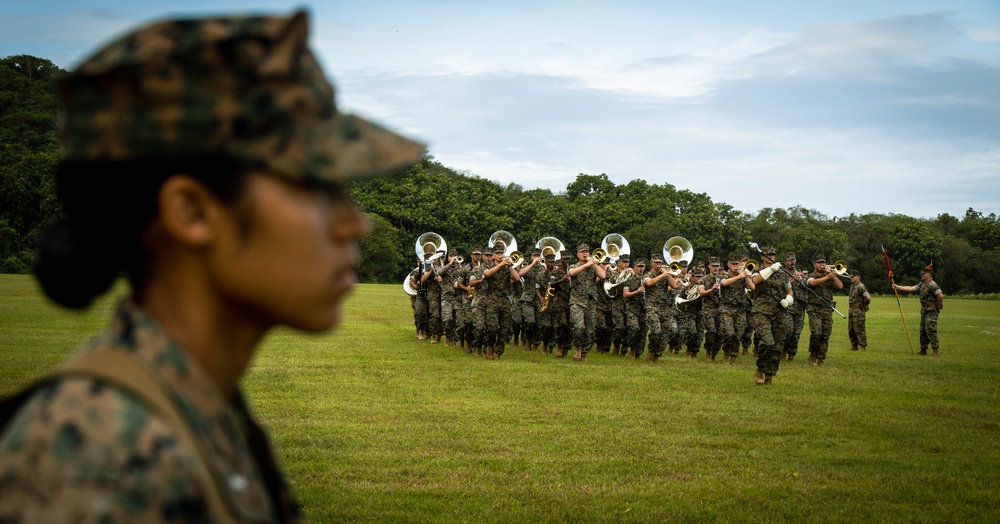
{"x":732,"y":325}
{"x":713,"y":342}
{"x":672,"y":330}
{"x":451,"y":308}
{"x":529,"y":321}
{"x":770,"y":330}
{"x":433,"y":315}
{"x":689,"y":332}
{"x":856,"y":328}
{"x":554,"y":326}
{"x":463,"y":320}
{"x":635,"y":330}
{"x":747,"y":337}
{"x":497,"y":321}
{"x":928,"y":328}
{"x":583,"y":320}
{"x":619,"y":323}
{"x":516,"y":319}
{"x":477,"y":317}
{"x":657,"y":321}
{"x":420,"y":313}
{"x":820,"y":329}
{"x":603,"y":329}
{"x":796,"y":319}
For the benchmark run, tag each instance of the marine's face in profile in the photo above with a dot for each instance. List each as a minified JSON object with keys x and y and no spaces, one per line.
{"x":295,"y":259}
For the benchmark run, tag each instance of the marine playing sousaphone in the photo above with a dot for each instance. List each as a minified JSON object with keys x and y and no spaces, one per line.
{"x":615,"y":245}
{"x":509,"y":244}
{"x":431,"y":244}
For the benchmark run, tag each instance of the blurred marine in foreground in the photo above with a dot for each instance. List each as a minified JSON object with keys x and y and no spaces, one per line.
{"x":204,"y":160}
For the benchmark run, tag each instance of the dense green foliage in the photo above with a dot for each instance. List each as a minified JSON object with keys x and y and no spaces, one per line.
{"x":466,"y":209}
{"x":27,"y":156}
{"x":375,"y":426}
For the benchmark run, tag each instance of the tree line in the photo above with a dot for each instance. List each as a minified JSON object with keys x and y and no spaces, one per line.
{"x":465,"y":209}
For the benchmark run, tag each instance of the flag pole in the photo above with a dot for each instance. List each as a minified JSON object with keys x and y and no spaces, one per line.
{"x":893,"y":281}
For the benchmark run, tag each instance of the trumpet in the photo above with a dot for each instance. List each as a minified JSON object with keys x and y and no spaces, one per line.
{"x":675,"y":269}
{"x":751,"y":266}
{"x":459,"y":259}
{"x":599,"y":255}
{"x":516,"y":258}
{"x":839,"y":267}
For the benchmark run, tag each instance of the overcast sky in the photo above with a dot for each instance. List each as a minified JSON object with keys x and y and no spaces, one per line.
{"x":841,"y":106}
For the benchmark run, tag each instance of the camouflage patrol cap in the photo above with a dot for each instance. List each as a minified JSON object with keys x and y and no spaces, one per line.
{"x":656,"y":258}
{"x":536,"y":251}
{"x":639,"y":263}
{"x":477,"y":251}
{"x":790,"y":255}
{"x":698,"y":272}
{"x":713,"y":261}
{"x":452,"y":252}
{"x":583,"y":247}
{"x":551,"y":257}
{"x":734,"y":259}
{"x":819,"y":257}
{"x":247,"y":87}
{"x":624,"y":258}
{"x":768,"y":250}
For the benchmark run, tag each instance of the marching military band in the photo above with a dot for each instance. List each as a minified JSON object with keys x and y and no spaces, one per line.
{"x":607,"y":301}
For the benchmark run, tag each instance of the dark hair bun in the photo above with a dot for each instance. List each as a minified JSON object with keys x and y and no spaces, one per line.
{"x":74,"y":266}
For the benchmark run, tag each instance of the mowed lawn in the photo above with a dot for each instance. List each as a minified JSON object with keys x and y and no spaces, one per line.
{"x":373,"y":425}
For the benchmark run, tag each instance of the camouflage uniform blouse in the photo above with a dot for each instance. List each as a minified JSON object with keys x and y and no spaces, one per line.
{"x":80,"y":450}
{"x":928,"y":295}
{"x":856,"y":299}
{"x":584,"y":285}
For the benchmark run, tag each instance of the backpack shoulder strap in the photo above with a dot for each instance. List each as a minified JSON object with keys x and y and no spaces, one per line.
{"x":117,"y":367}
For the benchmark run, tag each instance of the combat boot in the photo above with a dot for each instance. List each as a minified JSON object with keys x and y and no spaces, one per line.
{"x":434,"y":339}
{"x":578,"y":354}
{"x":489,"y":353}
{"x":923,"y":351}
{"x":421,"y":335}
{"x":758,"y":377}
{"x":863,"y":348}
{"x":732,"y":360}
{"x":854,"y":348}
{"x":935,"y":352}
{"x":725,"y":359}
{"x":467,"y":346}
{"x":767,"y":379}
{"x":789,"y":357}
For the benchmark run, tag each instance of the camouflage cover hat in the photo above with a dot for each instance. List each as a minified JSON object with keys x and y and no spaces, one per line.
{"x":477,"y":251}
{"x":536,"y":251}
{"x":698,"y":272}
{"x":639,"y":262}
{"x":734,"y":259}
{"x":246,"y":87}
{"x":656,"y":258}
{"x":790,"y":255}
{"x":624,"y":257}
{"x":713,"y":261}
{"x":768,"y":250}
{"x":819,"y":257}
{"x":499,"y":248}
{"x":452,"y":252}
{"x":551,"y":257}
{"x":582,"y":247}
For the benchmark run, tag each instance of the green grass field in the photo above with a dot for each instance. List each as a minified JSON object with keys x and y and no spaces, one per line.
{"x":373,"y":425}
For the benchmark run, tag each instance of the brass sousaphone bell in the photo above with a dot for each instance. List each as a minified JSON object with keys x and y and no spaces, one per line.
{"x":615,"y":246}
{"x":676,"y":250}
{"x":550,"y":246}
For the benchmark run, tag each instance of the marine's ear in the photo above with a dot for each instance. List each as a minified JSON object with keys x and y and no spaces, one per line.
{"x":188,"y":212}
